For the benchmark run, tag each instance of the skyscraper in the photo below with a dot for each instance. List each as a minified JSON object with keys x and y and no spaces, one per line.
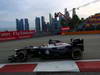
{"x":50,"y":18}
{"x":37,"y":24}
{"x":67,"y":15}
{"x":74,"y":12}
{"x":19,"y":25}
{"x":26,"y":26}
{"x":55,"y":25}
{"x":44,"y":28}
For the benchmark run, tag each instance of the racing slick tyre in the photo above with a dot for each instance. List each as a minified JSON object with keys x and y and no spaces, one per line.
{"x":76,"y":54}
{"x":22,"y":56}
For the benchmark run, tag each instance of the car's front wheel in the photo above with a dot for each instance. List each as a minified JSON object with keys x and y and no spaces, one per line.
{"x":22,"y":56}
{"x":76,"y":54}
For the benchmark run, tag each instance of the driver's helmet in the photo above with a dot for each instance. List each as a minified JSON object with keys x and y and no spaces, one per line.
{"x":51,"y":41}
{"x":57,"y":41}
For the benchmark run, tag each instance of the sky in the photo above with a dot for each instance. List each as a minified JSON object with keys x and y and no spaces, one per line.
{"x":12,"y":9}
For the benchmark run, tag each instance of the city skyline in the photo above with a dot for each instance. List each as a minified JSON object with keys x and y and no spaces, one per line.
{"x":22,"y":24}
{"x":12,"y":9}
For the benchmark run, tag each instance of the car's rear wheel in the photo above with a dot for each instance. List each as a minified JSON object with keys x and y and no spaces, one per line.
{"x":76,"y":54}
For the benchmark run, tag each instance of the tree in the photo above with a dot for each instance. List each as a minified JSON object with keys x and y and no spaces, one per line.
{"x":75,"y":21}
{"x":64,"y":22}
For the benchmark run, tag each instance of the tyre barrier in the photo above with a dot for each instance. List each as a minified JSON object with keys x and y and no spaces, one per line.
{"x":55,"y":66}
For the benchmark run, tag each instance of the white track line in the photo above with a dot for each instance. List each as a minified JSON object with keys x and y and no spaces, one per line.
{"x":69,"y":66}
{"x":2,"y":65}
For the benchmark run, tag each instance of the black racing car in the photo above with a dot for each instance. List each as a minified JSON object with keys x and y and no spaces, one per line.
{"x":53,"y":49}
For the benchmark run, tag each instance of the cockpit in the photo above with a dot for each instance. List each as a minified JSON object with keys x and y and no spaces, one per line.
{"x":53,"y":41}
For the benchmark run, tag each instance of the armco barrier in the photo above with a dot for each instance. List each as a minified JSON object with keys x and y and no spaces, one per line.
{"x":80,"y":32}
{"x":55,"y":66}
{"x":15,"y":35}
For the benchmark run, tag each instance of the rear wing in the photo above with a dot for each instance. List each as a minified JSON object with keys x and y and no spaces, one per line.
{"x":77,"y":41}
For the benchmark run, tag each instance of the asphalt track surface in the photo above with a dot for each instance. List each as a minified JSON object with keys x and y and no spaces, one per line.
{"x":91,"y":44}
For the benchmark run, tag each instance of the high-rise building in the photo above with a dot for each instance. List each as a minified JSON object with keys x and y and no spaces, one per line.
{"x":26,"y":26}
{"x":22,"y":24}
{"x":44,"y":28}
{"x":19,"y":25}
{"x":67,"y":16}
{"x":37,"y":24}
{"x":55,"y":25}
{"x":50,"y":18}
{"x":66,"y":13}
{"x":74,"y":12}
{"x":48,"y":27}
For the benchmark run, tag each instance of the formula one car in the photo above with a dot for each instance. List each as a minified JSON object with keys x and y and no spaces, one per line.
{"x":53,"y":49}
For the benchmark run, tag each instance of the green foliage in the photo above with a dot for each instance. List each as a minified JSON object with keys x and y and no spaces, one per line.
{"x":75,"y":22}
{"x":63,"y":22}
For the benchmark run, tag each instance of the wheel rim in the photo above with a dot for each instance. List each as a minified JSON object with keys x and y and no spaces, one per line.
{"x":21,"y":56}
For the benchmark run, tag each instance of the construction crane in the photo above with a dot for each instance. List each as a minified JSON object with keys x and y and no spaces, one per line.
{"x":92,"y":2}
{"x":60,"y":14}
{"x":66,"y":17}
{"x":84,"y":5}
